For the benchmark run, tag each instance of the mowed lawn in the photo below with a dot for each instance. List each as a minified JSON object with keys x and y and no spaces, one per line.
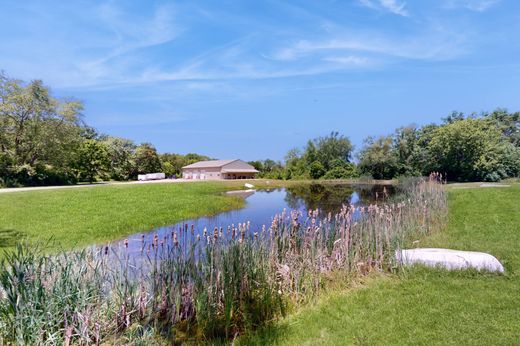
{"x":83,"y":216}
{"x":424,"y":306}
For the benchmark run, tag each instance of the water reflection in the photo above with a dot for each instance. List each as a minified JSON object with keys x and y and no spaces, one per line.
{"x":331,"y":197}
{"x":262,"y":205}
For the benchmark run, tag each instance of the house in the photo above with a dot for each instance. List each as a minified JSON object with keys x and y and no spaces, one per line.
{"x":219,"y":169}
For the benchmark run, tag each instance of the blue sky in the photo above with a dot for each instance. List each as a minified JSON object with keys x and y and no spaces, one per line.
{"x":253,"y":79}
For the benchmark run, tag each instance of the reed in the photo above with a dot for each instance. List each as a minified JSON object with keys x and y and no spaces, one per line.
{"x":214,"y":284}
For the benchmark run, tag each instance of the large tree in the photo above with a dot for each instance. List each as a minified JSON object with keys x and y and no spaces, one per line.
{"x":378,"y":158}
{"x":92,"y":160}
{"x":507,"y":123}
{"x":38,"y":131}
{"x":328,"y":149}
{"x":121,"y":154}
{"x":147,"y":160}
{"x":469,"y":149}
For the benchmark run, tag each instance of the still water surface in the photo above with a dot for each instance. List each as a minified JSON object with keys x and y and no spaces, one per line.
{"x":262,"y":205}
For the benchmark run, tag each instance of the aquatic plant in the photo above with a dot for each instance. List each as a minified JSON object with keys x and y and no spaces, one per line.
{"x":213,"y":284}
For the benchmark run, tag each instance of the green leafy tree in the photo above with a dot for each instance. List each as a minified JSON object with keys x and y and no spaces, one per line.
{"x":470,"y":149}
{"x":147,"y":160}
{"x":177,"y":161}
{"x":454,"y":117}
{"x":92,"y":160}
{"x":295,"y":165}
{"x":330,"y":148}
{"x":192,"y":158}
{"x":121,"y":154}
{"x":38,"y":132}
{"x":168,"y":169}
{"x":317,"y":170}
{"x":378,"y":158}
{"x":507,"y":123}
{"x":347,"y":171}
{"x":258,"y":165}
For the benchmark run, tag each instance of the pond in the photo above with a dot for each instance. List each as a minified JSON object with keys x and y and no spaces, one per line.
{"x":262,"y":205}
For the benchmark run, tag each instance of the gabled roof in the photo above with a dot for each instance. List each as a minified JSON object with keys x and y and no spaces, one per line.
{"x":210,"y":164}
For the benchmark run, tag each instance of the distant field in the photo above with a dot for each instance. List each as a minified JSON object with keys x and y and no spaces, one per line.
{"x":83,"y":216}
{"x":424,"y":306}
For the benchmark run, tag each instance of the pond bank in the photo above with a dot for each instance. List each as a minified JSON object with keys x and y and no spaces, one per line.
{"x":232,"y":280}
{"x":79,"y":217}
{"x":425,"y":306}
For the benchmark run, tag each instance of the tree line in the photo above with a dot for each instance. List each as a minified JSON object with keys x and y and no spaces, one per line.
{"x":474,"y":147}
{"x":45,"y":141}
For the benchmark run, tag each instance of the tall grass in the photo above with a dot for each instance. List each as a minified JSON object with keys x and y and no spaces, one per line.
{"x":213,"y":284}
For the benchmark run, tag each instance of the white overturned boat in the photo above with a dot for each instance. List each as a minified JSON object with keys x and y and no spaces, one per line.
{"x":450,"y":259}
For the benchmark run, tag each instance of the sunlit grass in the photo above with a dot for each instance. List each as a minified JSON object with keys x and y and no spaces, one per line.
{"x":194,"y":285}
{"x":424,"y":306}
{"x":88,"y":215}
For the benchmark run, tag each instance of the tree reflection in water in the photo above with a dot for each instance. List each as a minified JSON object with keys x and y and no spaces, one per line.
{"x":331,"y":197}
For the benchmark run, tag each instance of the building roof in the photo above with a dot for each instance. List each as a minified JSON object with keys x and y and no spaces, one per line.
{"x":210,"y":164}
{"x":239,"y":170}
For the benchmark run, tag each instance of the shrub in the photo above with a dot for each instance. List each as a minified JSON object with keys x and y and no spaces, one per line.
{"x":316,"y":170}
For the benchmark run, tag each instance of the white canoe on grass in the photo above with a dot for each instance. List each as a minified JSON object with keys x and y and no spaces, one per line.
{"x":450,"y":259}
{"x":249,"y":186}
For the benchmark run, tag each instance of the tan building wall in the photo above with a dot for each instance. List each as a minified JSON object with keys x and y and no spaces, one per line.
{"x":202,"y":173}
{"x":229,"y":170}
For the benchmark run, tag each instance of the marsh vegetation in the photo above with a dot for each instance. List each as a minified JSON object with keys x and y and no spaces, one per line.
{"x":206,"y":284}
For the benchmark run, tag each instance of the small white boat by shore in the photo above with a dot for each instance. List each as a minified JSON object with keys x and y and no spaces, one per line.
{"x":450,"y":259}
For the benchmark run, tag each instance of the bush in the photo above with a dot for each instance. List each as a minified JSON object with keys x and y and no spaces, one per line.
{"x":316,"y":170}
{"x":347,"y":172}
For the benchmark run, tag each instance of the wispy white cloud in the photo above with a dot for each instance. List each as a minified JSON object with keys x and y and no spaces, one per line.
{"x":432,"y":47}
{"x":348,"y":60}
{"x":473,"y":5}
{"x":123,"y":49}
{"x":130,"y":34}
{"x":393,"y":6}
{"x":99,"y":45}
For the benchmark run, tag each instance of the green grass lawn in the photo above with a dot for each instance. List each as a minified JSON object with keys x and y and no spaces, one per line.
{"x":424,"y":306}
{"x":96,"y":214}
{"x":87,"y":215}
